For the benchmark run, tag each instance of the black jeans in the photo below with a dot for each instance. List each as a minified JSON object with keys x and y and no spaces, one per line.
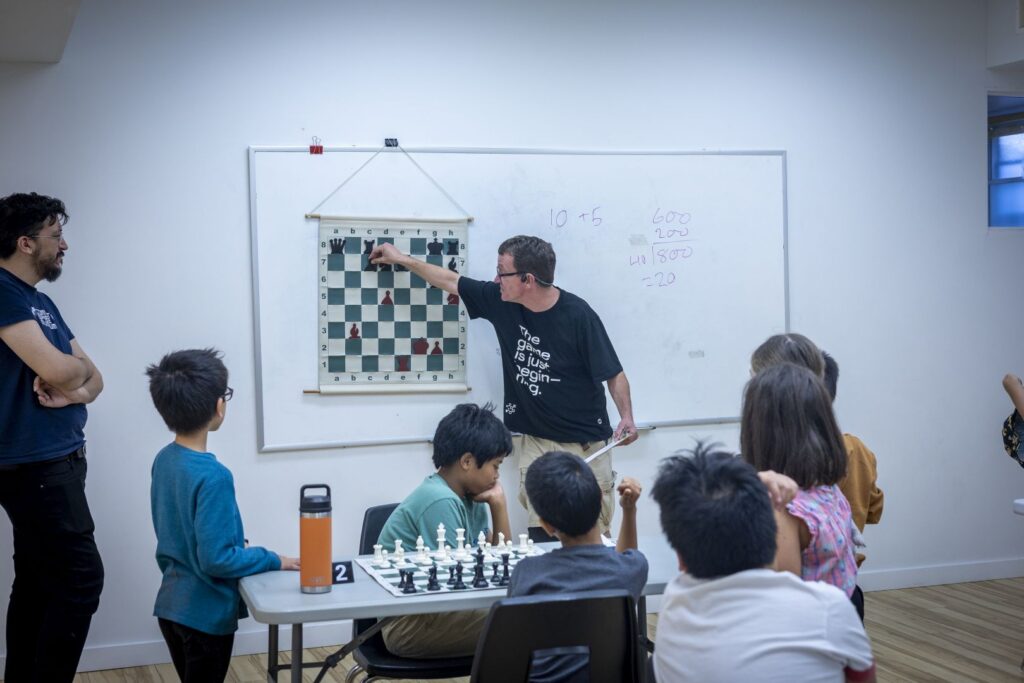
{"x":198,"y":657}
{"x":58,"y":574}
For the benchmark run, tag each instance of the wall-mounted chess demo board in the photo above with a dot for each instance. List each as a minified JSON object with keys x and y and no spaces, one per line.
{"x":383,"y":328}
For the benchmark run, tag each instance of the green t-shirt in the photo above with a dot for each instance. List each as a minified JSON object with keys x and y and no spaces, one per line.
{"x":431,"y":503}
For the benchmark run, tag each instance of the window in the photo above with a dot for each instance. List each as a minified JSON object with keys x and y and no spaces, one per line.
{"x":1006,"y":162}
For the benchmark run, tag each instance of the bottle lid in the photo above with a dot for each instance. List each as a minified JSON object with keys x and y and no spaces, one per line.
{"x":315,"y":503}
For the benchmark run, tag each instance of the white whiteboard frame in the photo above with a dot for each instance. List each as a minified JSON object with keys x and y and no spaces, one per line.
{"x":264,"y":447}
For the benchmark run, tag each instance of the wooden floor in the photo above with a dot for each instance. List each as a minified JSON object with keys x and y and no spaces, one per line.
{"x":961,"y":632}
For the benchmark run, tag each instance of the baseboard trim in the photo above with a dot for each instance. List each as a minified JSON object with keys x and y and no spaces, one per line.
{"x":939,"y":574}
{"x":251,"y":638}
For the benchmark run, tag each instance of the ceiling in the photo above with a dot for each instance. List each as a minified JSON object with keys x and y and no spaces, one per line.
{"x":35,"y":30}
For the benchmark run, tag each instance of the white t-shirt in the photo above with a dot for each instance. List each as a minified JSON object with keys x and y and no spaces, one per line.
{"x":758,"y":625}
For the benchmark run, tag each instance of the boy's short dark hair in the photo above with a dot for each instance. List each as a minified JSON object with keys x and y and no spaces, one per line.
{"x":715,"y":512}
{"x":531,"y":255}
{"x":564,"y":492}
{"x":185,"y":386}
{"x":26,"y":214}
{"x":831,"y":377}
{"x":473,"y":429}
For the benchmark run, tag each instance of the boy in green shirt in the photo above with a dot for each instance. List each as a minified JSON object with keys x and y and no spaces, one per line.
{"x":469,"y":446}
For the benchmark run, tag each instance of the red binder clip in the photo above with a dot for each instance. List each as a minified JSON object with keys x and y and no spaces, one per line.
{"x":316,"y":147}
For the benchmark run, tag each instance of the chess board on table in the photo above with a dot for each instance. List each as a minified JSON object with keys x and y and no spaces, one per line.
{"x":388,"y":577}
{"x":383,"y":328}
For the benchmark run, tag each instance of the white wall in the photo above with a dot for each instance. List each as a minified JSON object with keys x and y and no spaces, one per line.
{"x":143,"y":128}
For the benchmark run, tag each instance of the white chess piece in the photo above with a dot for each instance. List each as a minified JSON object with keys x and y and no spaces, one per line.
{"x":399,"y":553}
{"x":481,"y":539}
{"x":423,"y":556}
{"x":460,"y":544}
{"x":384,"y":564}
{"x":419,"y":543}
{"x":523,"y":545}
{"x":501,"y":539}
{"x":377,"y":556}
{"x":529,"y":547}
{"x":440,"y":536}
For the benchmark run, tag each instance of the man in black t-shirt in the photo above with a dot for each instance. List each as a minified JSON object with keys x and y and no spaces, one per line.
{"x":46,"y":379}
{"x":555,"y":355}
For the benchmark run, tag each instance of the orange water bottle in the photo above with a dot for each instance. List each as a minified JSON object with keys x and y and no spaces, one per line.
{"x":315,"y":539}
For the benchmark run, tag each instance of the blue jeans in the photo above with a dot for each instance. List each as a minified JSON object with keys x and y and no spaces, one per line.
{"x":58,"y":574}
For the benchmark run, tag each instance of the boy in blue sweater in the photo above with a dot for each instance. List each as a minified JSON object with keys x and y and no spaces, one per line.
{"x":200,"y":545}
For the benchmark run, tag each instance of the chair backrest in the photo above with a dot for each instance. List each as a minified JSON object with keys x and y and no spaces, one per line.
{"x":517,"y":628}
{"x":374,"y":520}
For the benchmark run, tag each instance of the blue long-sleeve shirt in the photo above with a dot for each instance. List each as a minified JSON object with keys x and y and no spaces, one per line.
{"x":200,"y":545}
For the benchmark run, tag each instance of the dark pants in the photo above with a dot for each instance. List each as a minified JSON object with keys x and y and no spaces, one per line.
{"x":58,"y":574}
{"x":858,"y":602}
{"x":198,"y":657}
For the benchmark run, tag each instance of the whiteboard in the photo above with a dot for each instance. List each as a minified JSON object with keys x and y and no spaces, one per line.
{"x":682,"y":255}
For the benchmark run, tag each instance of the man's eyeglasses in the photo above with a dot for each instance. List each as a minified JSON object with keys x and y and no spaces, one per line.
{"x":59,"y":236}
{"x":228,"y":394}
{"x":514,"y":272}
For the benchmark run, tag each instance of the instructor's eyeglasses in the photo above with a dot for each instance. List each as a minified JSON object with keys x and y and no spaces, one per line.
{"x":228,"y":394}
{"x":514,"y":272}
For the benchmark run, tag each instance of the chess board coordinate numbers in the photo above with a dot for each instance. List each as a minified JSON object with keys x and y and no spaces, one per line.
{"x":383,"y":327}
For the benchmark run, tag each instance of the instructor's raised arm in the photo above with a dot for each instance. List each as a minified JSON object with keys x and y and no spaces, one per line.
{"x":439,"y":277}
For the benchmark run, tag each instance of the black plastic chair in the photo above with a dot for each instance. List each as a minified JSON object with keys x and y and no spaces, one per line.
{"x":372,"y":657}
{"x":594,"y":631}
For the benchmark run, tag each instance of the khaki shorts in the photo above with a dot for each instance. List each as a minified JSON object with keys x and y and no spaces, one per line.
{"x":427,"y":636}
{"x":529,"y":448}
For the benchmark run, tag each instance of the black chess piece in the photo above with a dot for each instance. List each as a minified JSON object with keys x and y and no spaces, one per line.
{"x":434,"y":248}
{"x":459,"y":583}
{"x":479,"y":580}
{"x":451,"y":575}
{"x":410,"y":586}
{"x":432,"y":583}
{"x":368,"y":246}
{"x":371,"y":267}
{"x":453,"y":248}
{"x":401,"y":580}
{"x":451,"y":265}
{"x":505,"y":578}
{"x":494,"y":577}
{"x":338,"y":245}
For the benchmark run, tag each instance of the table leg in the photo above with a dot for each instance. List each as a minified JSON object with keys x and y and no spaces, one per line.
{"x":297,"y":653}
{"x":273,"y":661}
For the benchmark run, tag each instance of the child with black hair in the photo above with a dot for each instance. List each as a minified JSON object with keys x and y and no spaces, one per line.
{"x":788,"y":426}
{"x":201,"y":549}
{"x":564,"y":492}
{"x":470,"y":444}
{"x":728,"y":616}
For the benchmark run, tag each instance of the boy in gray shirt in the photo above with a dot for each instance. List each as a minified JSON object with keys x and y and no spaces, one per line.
{"x":565,"y":494}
